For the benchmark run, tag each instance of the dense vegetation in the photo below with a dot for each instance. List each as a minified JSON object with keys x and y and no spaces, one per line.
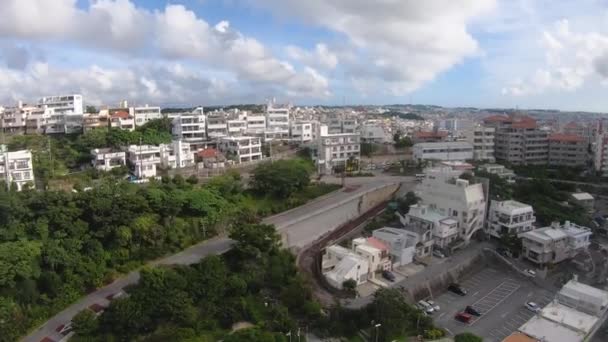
{"x":54,"y":246}
{"x":256,"y":283}
{"x":405,"y":116}
{"x":58,"y":156}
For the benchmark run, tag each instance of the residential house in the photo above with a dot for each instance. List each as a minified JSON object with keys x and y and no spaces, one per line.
{"x":16,"y":168}
{"x":447,"y":151}
{"x":241,"y":149}
{"x":341,"y":264}
{"x":585,"y":200}
{"x":144,"y":160}
{"x":189,"y":127}
{"x":567,"y":150}
{"x":339,"y":150}
{"x":444,"y":228}
{"x":556,"y":243}
{"x":499,"y":170}
{"x":400,"y":246}
{"x":428,"y":137}
{"x":106,"y":159}
{"x":518,"y":140}
{"x":210,"y":158}
{"x":122,"y":119}
{"x":145,"y":114}
{"x":176,"y":155}
{"x":509,"y":217}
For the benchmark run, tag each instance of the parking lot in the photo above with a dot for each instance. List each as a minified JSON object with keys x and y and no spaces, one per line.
{"x":499,"y":294}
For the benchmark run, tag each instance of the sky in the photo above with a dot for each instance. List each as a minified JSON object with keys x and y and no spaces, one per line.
{"x":550,"y":54}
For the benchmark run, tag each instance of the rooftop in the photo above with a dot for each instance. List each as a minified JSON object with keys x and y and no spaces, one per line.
{"x":565,"y":137}
{"x":575,"y":289}
{"x":582,"y":196}
{"x":569,"y":317}
{"x":423,"y":134}
{"x":519,"y":337}
{"x":511,"y":206}
{"x":452,"y":144}
{"x":545,"y":234}
{"x":549,"y":331}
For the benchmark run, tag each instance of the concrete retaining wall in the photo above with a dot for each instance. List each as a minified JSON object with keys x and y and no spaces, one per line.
{"x":309,"y":228}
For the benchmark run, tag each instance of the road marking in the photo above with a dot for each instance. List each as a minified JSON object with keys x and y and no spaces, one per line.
{"x":441,"y":315}
{"x":504,"y":315}
{"x":449,"y":331}
{"x":475,"y":294}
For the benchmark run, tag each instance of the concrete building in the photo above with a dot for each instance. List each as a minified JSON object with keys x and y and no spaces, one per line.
{"x":400,"y":245}
{"x":518,"y":140}
{"x":482,"y":139}
{"x":585,"y":200}
{"x":446,"y":151}
{"x":189,"y":127}
{"x":375,"y":252}
{"x":337,"y":150}
{"x":13,"y":119}
{"x":304,"y":131}
{"x":600,"y":154}
{"x":176,"y":155}
{"x":237,"y":126}
{"x":106,"y":159}
{"x":442,"y":190}
{"x":16,"y":168}
{"x":144,"y":114}
{"x":144,"y":160}
{"x":444,"y":228}
{"x":579,"y":130}
{"x":122,"y":120}
{"x":509,"y":217}
{"x":499,"y":170}
{"x":93,"y":121}
{"x":575,"y":315}
{"x":277,"y":121}
{"x":67,"y":113}
{"x":241,"y":149}
{"x":556,"y":243}
{"x":256,"y":124}
{"x":340,"y":264}
{"x":374,"y":133}
{"x":567,"y":150}
{"x":217,"y":124}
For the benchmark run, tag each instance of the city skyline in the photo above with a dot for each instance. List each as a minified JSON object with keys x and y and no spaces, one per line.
{"x":478,"y":53}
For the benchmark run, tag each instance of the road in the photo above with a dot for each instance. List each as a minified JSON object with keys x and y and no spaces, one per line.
{"x":597,"y":185}
{"x":354,"y":187}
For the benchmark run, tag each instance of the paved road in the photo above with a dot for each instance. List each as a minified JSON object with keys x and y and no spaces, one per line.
{"x":214,"y":246}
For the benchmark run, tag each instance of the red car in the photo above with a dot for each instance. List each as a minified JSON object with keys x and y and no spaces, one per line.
{"x":463,"y":317}
{"x":97,"y":309}
{"x":47,"y":339}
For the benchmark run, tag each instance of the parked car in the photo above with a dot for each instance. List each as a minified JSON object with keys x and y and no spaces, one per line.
{"x":434,"y":305}
{"x":116,"y":295}
{"x":457,"y":289}
{"x":532,"y":307}
{"x":64,"y":329}
{"x":426,"y":307}
{"x":98,"y":309}
{"x":530,"y":272}
{"x":472,"y":311}
{"x":388,"y":275}
{"x":438,"y":254}
{"x":463,"y":317}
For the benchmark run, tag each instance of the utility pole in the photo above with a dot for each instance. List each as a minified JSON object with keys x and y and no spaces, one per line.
{"x":139,"y":158}
{"x":50,"y":156}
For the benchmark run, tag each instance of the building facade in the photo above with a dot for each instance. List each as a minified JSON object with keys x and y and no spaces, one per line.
{"x":16,"y":168}
{"x":518,"y":140}
{"x":106,"y":159}
{"x":482,"y":139}
{"x":509,"y":217}
{"x":337,"y":150}
{"x":444,"y":151}
{"x":554,"y":244}
{"x":189,"y":127}
{"x":241,"y":149}
{"x":67,"y":113}
{"x":144,"y":160}
{"x":567,"y":150}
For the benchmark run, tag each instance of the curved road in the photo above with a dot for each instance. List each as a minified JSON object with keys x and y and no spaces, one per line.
{"x":355,"y":187}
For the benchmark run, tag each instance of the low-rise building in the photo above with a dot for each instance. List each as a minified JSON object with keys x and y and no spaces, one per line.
{"x":400,"y":245}
{"x":376,"y":253}
{"x":144,"y":160}
{"x":189,"y":127}
{"x":341,"y":264}
{"x":144,"y":114}
{"x":122,"y":120}
{"x":585,"y":200}
{"x":499,"y":170}
{"x":303,"y":131}
{"x":241,"y":149}
{"x":374,"y":133}
{"x":106,"y":159}
{"x":509,"y":217}
{"x":445,"y":229}
{"x":482,"y":139}
{"x":446,"y":151}
{"x":337,"y":150}
{"x":567,"y":150}
{"x":427,"y":137}
{"x":16,"y":168}
{"x":176,"y":155}
{"x":554,"y":244}
{"x":210,"y":158}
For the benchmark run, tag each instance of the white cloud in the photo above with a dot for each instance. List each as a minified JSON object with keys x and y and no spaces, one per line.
{"x":401,"y":44}
{"x":571,"y":59}
{"x":320,"y":57}
{"x":119,"y":28}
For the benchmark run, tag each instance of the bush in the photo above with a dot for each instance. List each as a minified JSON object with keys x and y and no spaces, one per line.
{"x":467,"y":337}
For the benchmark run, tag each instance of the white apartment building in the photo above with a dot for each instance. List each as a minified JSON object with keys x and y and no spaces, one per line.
{"x":482,"y":139}
{"x":304,"y":131}
{"x":176,"y":155}
{"x":36,"y":120}
{"x":16,"y":168}
{"x":340,"y":264}
{"x":237,"y":126}
{"x":122,"y":119}
{"x":67,"y":115}
{"x":518,"y":140}
{"x":556,"y":243}
{"x":13,"y":119}
{"x":256,"y":124}
{"x":336,"y":150}
{"x":217,"y":124}
{"x":445,"y":151}
{"x":242,"y":149}
{"x":600,"y":155}
{"x":144,"y":114}
{"x":144,"y":160}
{"x":106,"y":159}
{"x":372,"y":132}
{"x":445,"y":228}
{"x":443,"y":191}
{"x":277,"y":121}
{"x":189,"y":127}
{"x":342,"y":124}
{"x":499,"y":170}
{"x":509,"y":217}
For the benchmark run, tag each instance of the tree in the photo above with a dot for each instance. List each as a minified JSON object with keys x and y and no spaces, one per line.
{"x":18,"y":260}
{"x":467,"y":337}
{"x":349,"y":285}
{"x":85,"y":323}
{"x":91,"y":110}
{"x":255,"y":335}
{"x":281,"y":178}
{"x":367,"y":149}
{"x":255,"y":240}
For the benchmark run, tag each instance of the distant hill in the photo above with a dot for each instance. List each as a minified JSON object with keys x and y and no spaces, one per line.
{"x":405,"y":116}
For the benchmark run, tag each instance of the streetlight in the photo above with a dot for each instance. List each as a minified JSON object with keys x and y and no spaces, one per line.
{"x":377,"y":326}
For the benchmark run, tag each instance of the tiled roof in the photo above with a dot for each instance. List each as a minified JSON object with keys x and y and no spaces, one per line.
{"x":207,"y":153}
{"x":565,"y":137}
{"x":496,"y":118}
{"x":372,"y":241}
{"x":121,"y":114}
{"x":524,"y":122}
{"x":422,"y":134}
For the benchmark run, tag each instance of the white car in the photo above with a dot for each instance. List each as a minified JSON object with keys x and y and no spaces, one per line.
{"x":530,"y":272}
{"x":532,"y":307}
{"x":434,"y":305}
{"x":428,"y":308}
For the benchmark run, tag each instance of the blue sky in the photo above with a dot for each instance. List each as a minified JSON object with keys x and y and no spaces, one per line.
{"x":485,"y":53}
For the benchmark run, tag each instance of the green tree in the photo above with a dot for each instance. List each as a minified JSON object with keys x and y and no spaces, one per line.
{"x":85,"y":323}
{"x":255,"y":335}
{"x":254,"y":240}
{"x":18,"y":260}
{"x":467,"y":337}
{"x":349,"y":285}
{"x":281,"y":178}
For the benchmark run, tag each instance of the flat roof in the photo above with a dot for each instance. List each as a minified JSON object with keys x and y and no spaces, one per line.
{"x":582,"y":196}
{"x":444,"y":144}
{"x":545,"y":234}
{"x":576,"y":289}
{"x":549,"y":331}
{"x":511,"y":205}
{"x":569,"y":317}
